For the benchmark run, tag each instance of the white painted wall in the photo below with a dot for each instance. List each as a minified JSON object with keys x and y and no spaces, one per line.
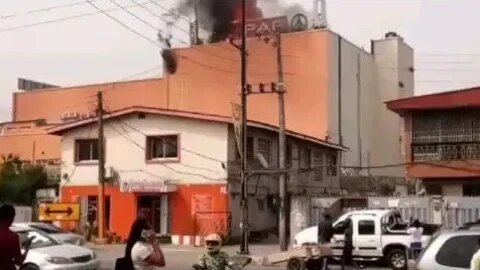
{"x":393,"y":59}
{"x":370,"y":131}
{"x":207,"y":138}
{"x":357,"y":98}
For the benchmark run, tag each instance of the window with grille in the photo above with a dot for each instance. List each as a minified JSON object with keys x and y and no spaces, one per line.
{"x":305,"y":158}
{"x":162,"y":147}
{"x":318,"y":165}
{"x":86,"y":150}
{"x":332,"y":164}
{"x":264,"y":148}
{"x":288,"y":156}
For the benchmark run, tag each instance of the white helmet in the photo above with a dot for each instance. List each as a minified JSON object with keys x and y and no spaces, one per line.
{"x":213,"y":242}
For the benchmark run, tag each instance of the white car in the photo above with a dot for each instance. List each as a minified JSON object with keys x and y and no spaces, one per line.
{"x":47,"y":254}
{"x":55,"y":232}
{"x":377,"y":234}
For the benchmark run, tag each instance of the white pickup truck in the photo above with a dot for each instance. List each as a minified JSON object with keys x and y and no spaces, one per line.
{"x":377,"y":234}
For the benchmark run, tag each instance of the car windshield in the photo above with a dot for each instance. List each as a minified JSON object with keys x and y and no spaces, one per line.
{"x":40,"y":239}
{"x":47,"y":228}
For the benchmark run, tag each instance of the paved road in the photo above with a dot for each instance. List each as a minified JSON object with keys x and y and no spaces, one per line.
{"x":181,"y":258}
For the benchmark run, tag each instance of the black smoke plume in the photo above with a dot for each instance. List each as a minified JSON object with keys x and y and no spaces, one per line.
{"x":215,"y":15}
{"x":169,"y":60}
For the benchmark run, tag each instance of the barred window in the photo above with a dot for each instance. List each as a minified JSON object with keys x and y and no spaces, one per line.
{"x":305,"y":158}
{"x":264,"y":148}
{"x":332,"y":164}
{"x":318,"y":165}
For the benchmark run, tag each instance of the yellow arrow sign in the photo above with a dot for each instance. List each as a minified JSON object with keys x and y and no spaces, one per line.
{"x":59,"y":212}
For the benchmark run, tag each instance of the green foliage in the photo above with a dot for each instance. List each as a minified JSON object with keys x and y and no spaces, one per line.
{"x":19,"y":181}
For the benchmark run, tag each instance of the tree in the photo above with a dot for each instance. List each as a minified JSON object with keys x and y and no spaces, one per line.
{"x":19,"y":181}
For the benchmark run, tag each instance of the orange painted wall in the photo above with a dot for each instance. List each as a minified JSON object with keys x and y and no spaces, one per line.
{"x":123,"y":209}
{"x":183,"y":222}
{"x":208,"y":80}
{"x":46,"y":147}
{"x":124,"y":206}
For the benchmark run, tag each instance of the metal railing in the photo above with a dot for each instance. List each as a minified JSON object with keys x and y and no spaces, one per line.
{"x":445,"y":151}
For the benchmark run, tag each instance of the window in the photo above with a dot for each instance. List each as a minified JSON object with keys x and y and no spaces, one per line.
{"x":162,"y":147}
{"x":264,"y":148}
{"x":332,"y":164}
{"x":318,"y":165}
{"x":305,"y":158}
{"x":47,"y":228}
{"x":458,"y":251}
{"x":288,"y":156}
{"x":366,"y":227}
{"x":86,"y":150}
{"x":250,"y":148}
{"x":40,"y":240}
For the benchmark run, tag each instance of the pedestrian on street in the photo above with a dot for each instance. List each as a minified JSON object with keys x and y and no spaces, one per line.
{"x":146,"y":254}
{"x":347,"y":256}
{"x":475,"y":262}
{"x":325,"y":234}
{"x":140,"y":224}
{"x":10,"y":251}
{"x":415,"y":233}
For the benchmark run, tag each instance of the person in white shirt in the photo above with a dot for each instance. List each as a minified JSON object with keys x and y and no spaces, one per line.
{"x":415,"y":233}
{"x":475,"y":262}
{"x":146,"y":254}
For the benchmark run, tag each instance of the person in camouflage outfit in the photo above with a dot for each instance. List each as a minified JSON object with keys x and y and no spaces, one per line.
{"x":214,"y":258}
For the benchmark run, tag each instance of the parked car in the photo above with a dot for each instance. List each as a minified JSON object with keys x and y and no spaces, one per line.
{"x":55,"y":232}
{"x":451,"y":250}
{"x":48,"y":254}
{"x":377,"y":235}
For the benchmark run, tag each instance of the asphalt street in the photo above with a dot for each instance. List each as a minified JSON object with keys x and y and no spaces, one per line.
{"x":181,"y":258}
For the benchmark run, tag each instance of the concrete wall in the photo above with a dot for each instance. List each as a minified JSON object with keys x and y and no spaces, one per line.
{"x":126,"y":153}
{"x":395,"y":79}
{"x":351,"y":99}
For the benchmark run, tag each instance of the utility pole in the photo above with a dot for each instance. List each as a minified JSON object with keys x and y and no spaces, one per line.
{"x":282,"y":189}
{"x":101,"y":172}
{"x":244,"y":168}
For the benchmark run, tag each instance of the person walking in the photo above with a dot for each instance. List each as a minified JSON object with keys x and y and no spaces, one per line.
{"x":10,"y":252}
{"x":140,"y":224}
{"x":415,"y":232}
{"x":146,"y":254}
{"x":347,"y":256}
{"x":325,"y":234}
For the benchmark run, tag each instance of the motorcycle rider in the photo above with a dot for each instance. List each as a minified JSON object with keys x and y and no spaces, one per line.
{"x":214,"y":258}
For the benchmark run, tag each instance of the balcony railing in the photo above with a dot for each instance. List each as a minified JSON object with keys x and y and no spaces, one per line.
{"x":446,"y":151}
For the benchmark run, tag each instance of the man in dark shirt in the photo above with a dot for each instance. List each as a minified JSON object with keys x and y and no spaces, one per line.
{"x":325,"y":234}
{"x":10,"y":252}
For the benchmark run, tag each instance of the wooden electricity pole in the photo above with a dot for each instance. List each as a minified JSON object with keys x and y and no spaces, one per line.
{"x":101,"y":172}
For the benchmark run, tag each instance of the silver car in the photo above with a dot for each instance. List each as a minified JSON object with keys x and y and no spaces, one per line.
{"x":451,"y":250}
{"x":47,"y":254}
{"x":55,"y":232}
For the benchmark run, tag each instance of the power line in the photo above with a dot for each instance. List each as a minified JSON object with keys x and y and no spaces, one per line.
{"x":63,"y":18}
{"x":134,"y":15}
{"x":45,"y":9}
{"x":162,"y":164}
{"x":123,"y":24}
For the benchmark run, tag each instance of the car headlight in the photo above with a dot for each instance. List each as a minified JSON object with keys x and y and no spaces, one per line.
{"x":59,"y":260}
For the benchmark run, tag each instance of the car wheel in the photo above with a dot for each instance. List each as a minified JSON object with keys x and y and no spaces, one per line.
{"x":29,"y":267}
{"x":296,"y":263}
{"x":396,"y":259}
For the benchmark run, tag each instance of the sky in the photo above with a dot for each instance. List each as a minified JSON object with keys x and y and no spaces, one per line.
{"x":95,"y":48}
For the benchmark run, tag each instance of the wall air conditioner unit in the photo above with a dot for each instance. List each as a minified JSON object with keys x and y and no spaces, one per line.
{"x":109,"y":172}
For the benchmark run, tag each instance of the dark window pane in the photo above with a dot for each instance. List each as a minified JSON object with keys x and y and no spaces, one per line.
{"x":170,"y":144}
{"x":366,"y":227}
{"x":250,"y":148}
{"x":86,"y":150}
{"x":162,"y":147}
{"x":458,"y":251}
